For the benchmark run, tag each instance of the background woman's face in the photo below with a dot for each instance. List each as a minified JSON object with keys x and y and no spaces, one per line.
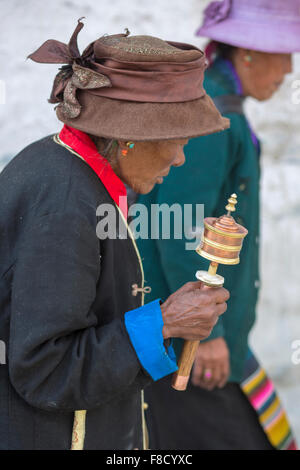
{"x":263,"y":75}
{"x":148,"y":163}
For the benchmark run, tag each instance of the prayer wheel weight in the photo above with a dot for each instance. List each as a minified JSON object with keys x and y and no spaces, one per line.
{"x":221,"y":243}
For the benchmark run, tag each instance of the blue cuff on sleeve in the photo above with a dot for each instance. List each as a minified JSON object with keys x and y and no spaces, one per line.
{"x":144,"y":326}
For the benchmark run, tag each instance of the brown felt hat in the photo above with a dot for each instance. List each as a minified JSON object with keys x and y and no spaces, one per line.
{"x":132,"y":88}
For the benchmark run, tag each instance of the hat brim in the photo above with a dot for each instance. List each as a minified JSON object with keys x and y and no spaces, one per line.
{"x":138,"y":121}
{"x":273,"y":36}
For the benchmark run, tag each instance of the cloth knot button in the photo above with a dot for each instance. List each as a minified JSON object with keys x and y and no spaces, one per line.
{"x":136,"y":289}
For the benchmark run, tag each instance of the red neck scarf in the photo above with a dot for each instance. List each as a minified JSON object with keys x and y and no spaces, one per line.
{"x":82,"y":144}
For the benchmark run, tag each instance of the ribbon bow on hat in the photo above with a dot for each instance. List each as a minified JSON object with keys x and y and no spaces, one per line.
{"x":77,"y":74}
{"x":216,"y":11}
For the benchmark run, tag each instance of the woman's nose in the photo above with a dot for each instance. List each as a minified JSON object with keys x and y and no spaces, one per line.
{"x":180,"y":159}
{"x":288,"y":64}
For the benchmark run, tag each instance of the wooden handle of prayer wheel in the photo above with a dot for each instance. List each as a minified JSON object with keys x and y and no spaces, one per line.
{"x":185,"y":364}
{"x":187,"y":357}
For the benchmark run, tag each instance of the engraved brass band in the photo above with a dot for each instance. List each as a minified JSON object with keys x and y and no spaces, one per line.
{"x":214,"y":244}
{"x":218,"y":259}
{"x":221,"y":232}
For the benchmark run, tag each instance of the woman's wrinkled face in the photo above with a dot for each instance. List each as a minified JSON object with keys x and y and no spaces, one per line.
{"x":147,"y":163}
{"x":262,"y":75}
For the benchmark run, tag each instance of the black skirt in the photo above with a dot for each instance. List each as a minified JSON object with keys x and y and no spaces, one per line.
{"x":222,"y":419}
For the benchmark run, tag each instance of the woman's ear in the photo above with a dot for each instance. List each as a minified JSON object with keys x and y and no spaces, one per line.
{"x":241,"y":53}
{"x":125,"y":146}
{"x":128,"y":144}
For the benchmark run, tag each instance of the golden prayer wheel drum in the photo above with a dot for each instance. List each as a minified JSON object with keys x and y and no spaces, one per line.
{"x":222,"y":238}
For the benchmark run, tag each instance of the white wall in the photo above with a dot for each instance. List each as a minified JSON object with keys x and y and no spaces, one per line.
{"x":26,"y":116}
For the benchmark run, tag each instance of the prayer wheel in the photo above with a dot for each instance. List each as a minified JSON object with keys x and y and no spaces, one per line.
{"x":221,"y":243}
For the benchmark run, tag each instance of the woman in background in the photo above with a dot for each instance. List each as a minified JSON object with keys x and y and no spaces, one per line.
{"x":249,"y":54}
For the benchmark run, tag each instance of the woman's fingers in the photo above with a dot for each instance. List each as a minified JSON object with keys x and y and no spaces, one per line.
{"x":225,"y":371}
{"x":212,"y":364}
{"x":197,"y":372}
{"x":191,"y":312}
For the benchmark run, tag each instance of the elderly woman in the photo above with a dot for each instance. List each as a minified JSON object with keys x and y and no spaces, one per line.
{"x":249,"y":53}
{"x":78,"y":337}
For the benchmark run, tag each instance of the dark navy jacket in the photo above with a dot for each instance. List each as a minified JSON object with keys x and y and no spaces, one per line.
{"x":63,"y":294}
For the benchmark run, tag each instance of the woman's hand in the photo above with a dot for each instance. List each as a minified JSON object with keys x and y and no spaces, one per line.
{"x":211,"y":367}
{"x":192,"y":311}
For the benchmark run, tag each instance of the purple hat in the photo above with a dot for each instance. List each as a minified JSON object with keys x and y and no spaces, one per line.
{"x":261,"y":25}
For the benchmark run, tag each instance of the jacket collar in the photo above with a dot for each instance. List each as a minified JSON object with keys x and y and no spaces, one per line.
{"x":224,"y":74}
{"x":83,"y":145}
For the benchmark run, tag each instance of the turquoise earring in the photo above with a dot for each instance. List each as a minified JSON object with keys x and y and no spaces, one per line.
{"x":130,"y":144}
